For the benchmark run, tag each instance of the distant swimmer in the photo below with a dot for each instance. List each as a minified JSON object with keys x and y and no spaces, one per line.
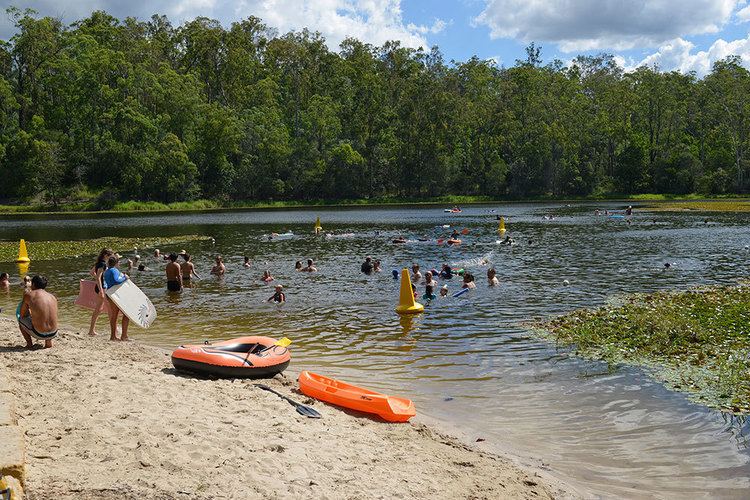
{"x":187,"y":268}
{"x":174,"y":274}
{"x":629,"y":210}
{"x":376,"y":266}
{"x":142,"y":267}
{"x":219,"y":268}
{"x":468,"y":281}
{"x":246,"y":263}
{"x":399,"y":240}
{"x":447,"y":272}
{"x":428,"y":280}
{"x":367,"y":266}
{"x":429,"y":293}
{"x":491,"y":277}
{"x":157,"y":254}
{"x":416,"y":275}
{"x":394,"y":273}
{"x":310,"y":267}
{"x":38,"y":316}
{"x":453,"y":241}
{"x":414,"y":290}
{"x":298,"y":266}
{"x":267,"y":278}
{"x":4,"y":281}
{"x":444,"y":291}
{"x":278,"y":295}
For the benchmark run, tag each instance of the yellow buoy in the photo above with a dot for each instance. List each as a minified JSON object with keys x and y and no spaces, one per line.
{"x":501,"y":226}
{"x":318,"y":228}
{"x":406,"y":302}
{"x":23,"y":255}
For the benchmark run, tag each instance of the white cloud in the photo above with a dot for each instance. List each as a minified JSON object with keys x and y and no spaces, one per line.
{"x":678,"y":55}
{"x":372,"y":21}
{"x":604,"y":24}
{"x":743,"y":15}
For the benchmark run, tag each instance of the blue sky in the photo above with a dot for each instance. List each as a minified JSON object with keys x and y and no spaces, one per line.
{"x":686,"y":35}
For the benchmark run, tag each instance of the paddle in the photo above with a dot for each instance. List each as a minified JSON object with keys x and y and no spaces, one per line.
{"x":301,"y":409}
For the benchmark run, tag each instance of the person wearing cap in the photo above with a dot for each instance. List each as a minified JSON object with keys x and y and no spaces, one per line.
{"x":444,"y":291}
{"x":278,"y":296}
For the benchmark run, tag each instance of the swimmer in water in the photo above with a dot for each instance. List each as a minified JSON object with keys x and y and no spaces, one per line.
{"x":278,"y":295}
{"x":399,"y":240}
{"x":4,"y":281}
{"x":298,"y":266}
{"x":187,"y":268}
{"x":428,"y":293}
{"x":394,"y":273}
{"x":414,"y":290}
{"x":310,"y":267}
{"x":246,"y":264}
{"x":468,"y":281}
{"x":267,"y":276}
{"x":447,"y":272}
{"x":444,"y":291}
{"x":428,"y":281}
{"x":376,"y":267}
{"x":491,"y":277}
{"x":219,"y":268}
{"x":416,"y":276}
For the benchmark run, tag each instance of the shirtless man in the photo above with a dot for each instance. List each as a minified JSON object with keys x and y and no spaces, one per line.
{"x":38,"y":313}
{"x":188,"y":269}
{"x":219,"y":269}
{"x":310,"y":267}
{"x":174,"y":274}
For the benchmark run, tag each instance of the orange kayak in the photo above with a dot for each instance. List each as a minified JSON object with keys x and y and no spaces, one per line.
{"x":243,"y":357}
{"x":389,"y":408}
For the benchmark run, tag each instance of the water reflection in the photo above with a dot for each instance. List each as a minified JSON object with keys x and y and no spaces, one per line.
{"x":608,"y":430}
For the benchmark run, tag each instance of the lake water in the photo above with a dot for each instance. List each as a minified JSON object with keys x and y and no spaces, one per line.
{"x":466,"y":360}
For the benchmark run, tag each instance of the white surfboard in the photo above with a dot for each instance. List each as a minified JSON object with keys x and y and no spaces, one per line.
{"x":133,"y":303}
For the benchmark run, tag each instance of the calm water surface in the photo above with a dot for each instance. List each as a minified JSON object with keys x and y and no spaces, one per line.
{"x":465,"y":360}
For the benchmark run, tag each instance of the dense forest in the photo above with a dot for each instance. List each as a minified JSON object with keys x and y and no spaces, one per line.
{"x":144,"y":110}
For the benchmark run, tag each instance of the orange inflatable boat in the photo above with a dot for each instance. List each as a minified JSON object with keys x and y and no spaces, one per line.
{"x":243,"y":357}
{"x":390,"y":408}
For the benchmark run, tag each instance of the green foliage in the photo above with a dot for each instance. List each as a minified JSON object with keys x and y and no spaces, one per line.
{"x":696,"y":341}
{"x":51,"y":250}
{"x":146,"y":111}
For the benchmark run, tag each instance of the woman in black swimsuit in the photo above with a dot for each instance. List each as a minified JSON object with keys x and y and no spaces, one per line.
{"x":98,"y":270}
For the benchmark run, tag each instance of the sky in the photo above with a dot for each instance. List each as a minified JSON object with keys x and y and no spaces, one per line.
{"x":683,"y":35}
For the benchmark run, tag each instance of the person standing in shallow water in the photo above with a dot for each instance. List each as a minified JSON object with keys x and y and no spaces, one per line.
{"x":219,"y":268}
{"x":98,"y":271}
{"x":174,"y":274}
{"x":187,"y":269}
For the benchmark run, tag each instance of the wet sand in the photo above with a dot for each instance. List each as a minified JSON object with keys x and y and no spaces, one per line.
{"x":114,"y":420}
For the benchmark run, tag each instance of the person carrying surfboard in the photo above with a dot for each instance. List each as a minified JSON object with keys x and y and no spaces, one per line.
{"x":111,"y":277}
{"x":37,"y":315}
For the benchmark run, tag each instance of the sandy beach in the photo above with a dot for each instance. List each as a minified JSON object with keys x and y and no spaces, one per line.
{"x":114,"y":420}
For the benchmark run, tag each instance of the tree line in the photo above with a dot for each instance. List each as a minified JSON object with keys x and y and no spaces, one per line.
{"x":144,"y":110}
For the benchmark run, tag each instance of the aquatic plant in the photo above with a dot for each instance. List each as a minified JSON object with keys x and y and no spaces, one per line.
{"x":703,"y":206}
{"x":696,"y":341}
{"x":49,"y":250}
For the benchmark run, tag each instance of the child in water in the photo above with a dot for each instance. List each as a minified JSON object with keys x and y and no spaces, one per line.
{"x":246,"y":264}
{"x":444,"y":291}
{"x":278,"y":296}
{"x":414,"y":290}
{"x":298,"y":266}
{"x":4,"y":281}
{"x":267,"y":278}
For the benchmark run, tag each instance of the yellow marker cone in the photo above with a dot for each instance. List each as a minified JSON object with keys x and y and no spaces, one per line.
{"x":406,"y":303}
{"x":23,"y":255}
{"x":501,"y":226}
{"x":318,"y":228}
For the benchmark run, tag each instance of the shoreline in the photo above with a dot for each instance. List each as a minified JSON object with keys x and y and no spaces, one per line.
{"x":28,"y":210}
{"x":111,"y":420}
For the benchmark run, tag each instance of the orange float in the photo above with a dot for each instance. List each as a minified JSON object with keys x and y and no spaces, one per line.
{"x":336,"y":392}
{"x":243,"y":357}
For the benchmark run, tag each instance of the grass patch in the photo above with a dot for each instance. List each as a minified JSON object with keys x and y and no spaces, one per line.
{"x":155,"y":206}
{"x":51,"y":250}
{"x":696,"y":341}
{"x":703,"y":206}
